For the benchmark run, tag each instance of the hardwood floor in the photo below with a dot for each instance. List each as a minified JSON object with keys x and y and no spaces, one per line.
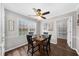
{"x":59,"y":49}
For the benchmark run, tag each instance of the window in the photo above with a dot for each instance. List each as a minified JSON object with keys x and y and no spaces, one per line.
{"x":26,"y":27}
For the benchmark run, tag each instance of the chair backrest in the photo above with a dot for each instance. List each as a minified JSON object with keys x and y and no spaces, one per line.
{"x":29,"y":39}
{"x":31,"y":33}
{"x":45,"y":33}
{"x":45,"y":36}
{"x":49,"y":38}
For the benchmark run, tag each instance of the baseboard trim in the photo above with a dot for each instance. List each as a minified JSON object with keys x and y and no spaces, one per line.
{"x":53,"y":43}
{"x":16,"y":47}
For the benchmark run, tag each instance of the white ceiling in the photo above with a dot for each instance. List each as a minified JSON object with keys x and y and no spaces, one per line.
{"x":54,"y":8}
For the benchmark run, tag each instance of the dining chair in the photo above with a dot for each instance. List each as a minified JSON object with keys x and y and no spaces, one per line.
{"x":46,"y":44}
{"x":32,"y":46}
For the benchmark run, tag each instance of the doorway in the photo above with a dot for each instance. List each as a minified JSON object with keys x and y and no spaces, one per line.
{"x":64,"y":29}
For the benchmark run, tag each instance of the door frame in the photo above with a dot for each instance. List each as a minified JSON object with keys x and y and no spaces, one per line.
{"x":2,"y":30}
{"x":69,"y":31}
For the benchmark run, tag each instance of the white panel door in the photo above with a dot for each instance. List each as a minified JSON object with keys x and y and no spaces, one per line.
{"x":69,"y":31}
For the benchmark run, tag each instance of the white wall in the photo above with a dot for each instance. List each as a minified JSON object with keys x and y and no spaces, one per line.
{"x":13,"y":40}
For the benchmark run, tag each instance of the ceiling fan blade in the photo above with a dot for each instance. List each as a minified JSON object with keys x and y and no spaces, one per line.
{"x":43,"y":17}
{"x":35,"y":10}
{"x":38,"y":10}
{"x":46,"y":13}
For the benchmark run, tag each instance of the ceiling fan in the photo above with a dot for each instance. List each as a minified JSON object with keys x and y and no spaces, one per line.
{"x":38,"y":12}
